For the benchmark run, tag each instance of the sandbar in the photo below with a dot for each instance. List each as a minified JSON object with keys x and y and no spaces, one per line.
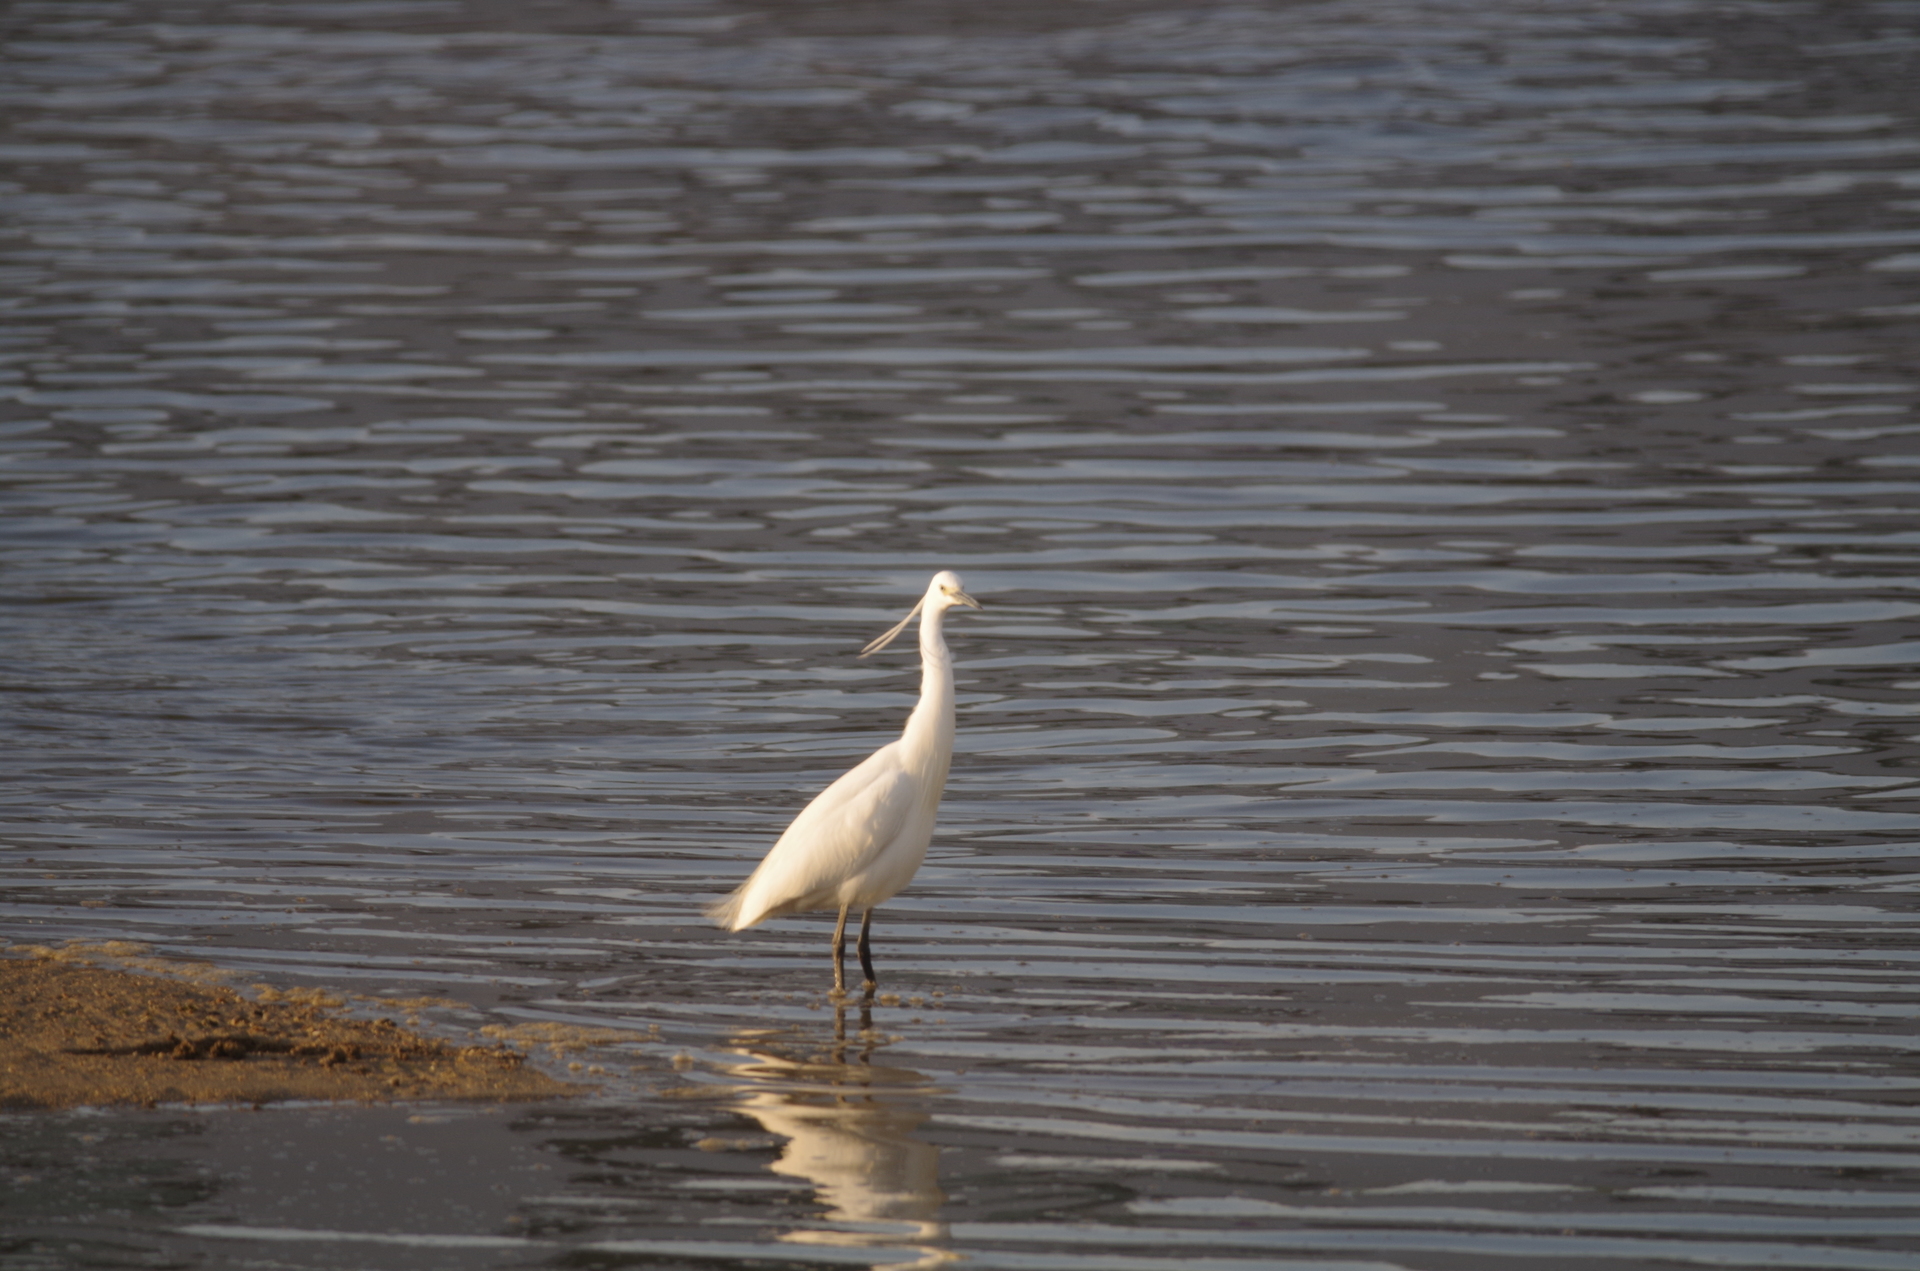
{"x":76,"y":1034}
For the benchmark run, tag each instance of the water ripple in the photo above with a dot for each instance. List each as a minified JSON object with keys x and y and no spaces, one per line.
{"x":1435,"y":772}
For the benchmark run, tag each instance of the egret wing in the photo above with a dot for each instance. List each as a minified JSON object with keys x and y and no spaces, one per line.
{"x":833,"y":839}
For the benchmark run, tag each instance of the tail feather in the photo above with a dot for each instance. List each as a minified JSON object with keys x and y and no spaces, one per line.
{"x":726,"y":911}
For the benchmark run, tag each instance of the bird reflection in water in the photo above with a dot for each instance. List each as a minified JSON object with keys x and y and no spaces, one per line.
{"x":849,"y":1125}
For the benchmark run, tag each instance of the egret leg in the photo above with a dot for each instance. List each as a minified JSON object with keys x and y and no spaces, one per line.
{"x":866,"y":952}
{"x":840,"y":954}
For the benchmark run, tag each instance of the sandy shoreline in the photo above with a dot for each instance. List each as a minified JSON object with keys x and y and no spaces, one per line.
{"x":74,"y":1033}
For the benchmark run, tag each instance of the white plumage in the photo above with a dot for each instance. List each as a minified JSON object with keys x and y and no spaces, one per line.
{"x":863,"y":837}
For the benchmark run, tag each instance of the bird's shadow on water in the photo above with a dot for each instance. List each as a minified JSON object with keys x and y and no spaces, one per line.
{"x":849,"y":1125}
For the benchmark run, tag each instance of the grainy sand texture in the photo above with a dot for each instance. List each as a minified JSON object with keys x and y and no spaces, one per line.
{"x":73,"y":1033}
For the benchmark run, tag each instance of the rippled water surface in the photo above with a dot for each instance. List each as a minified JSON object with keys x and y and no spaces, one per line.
{"x":1436,"y":775}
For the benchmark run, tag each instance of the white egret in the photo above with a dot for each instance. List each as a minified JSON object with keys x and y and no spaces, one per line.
{"x":862,"y":838}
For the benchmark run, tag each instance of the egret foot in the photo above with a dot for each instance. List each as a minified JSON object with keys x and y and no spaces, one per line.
{"x":840,"y":954}
{"x":865,"y":950}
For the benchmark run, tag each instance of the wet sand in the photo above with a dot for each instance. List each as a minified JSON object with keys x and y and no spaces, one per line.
{"x":73,"y":1034}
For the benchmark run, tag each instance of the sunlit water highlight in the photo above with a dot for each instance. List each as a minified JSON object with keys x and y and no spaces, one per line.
{"x":1436,"y":772}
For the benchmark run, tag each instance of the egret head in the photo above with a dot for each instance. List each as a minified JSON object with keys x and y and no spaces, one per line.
{"x":943,"y":593}
{"x":946,"y":591}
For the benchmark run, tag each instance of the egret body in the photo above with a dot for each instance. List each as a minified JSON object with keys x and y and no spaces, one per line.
{"x":863,"y":837}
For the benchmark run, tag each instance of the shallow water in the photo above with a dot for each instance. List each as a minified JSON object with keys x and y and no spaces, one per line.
{"x":1436,"y":770}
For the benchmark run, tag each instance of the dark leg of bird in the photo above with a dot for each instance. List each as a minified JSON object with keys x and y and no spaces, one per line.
{"x":866,"y":952}
{"x":840,"y":954}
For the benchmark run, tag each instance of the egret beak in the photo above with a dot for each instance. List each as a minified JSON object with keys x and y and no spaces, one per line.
{"x":962,"y":598}
{"x":881,"y":642}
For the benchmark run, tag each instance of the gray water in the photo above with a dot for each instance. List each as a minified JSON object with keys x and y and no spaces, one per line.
{"x":1436,"y":775}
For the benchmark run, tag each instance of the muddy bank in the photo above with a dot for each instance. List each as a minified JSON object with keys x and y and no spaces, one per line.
{"x":73,"y":1033}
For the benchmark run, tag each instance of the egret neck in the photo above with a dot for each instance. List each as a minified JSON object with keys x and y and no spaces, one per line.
{"x":928,"y":736}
